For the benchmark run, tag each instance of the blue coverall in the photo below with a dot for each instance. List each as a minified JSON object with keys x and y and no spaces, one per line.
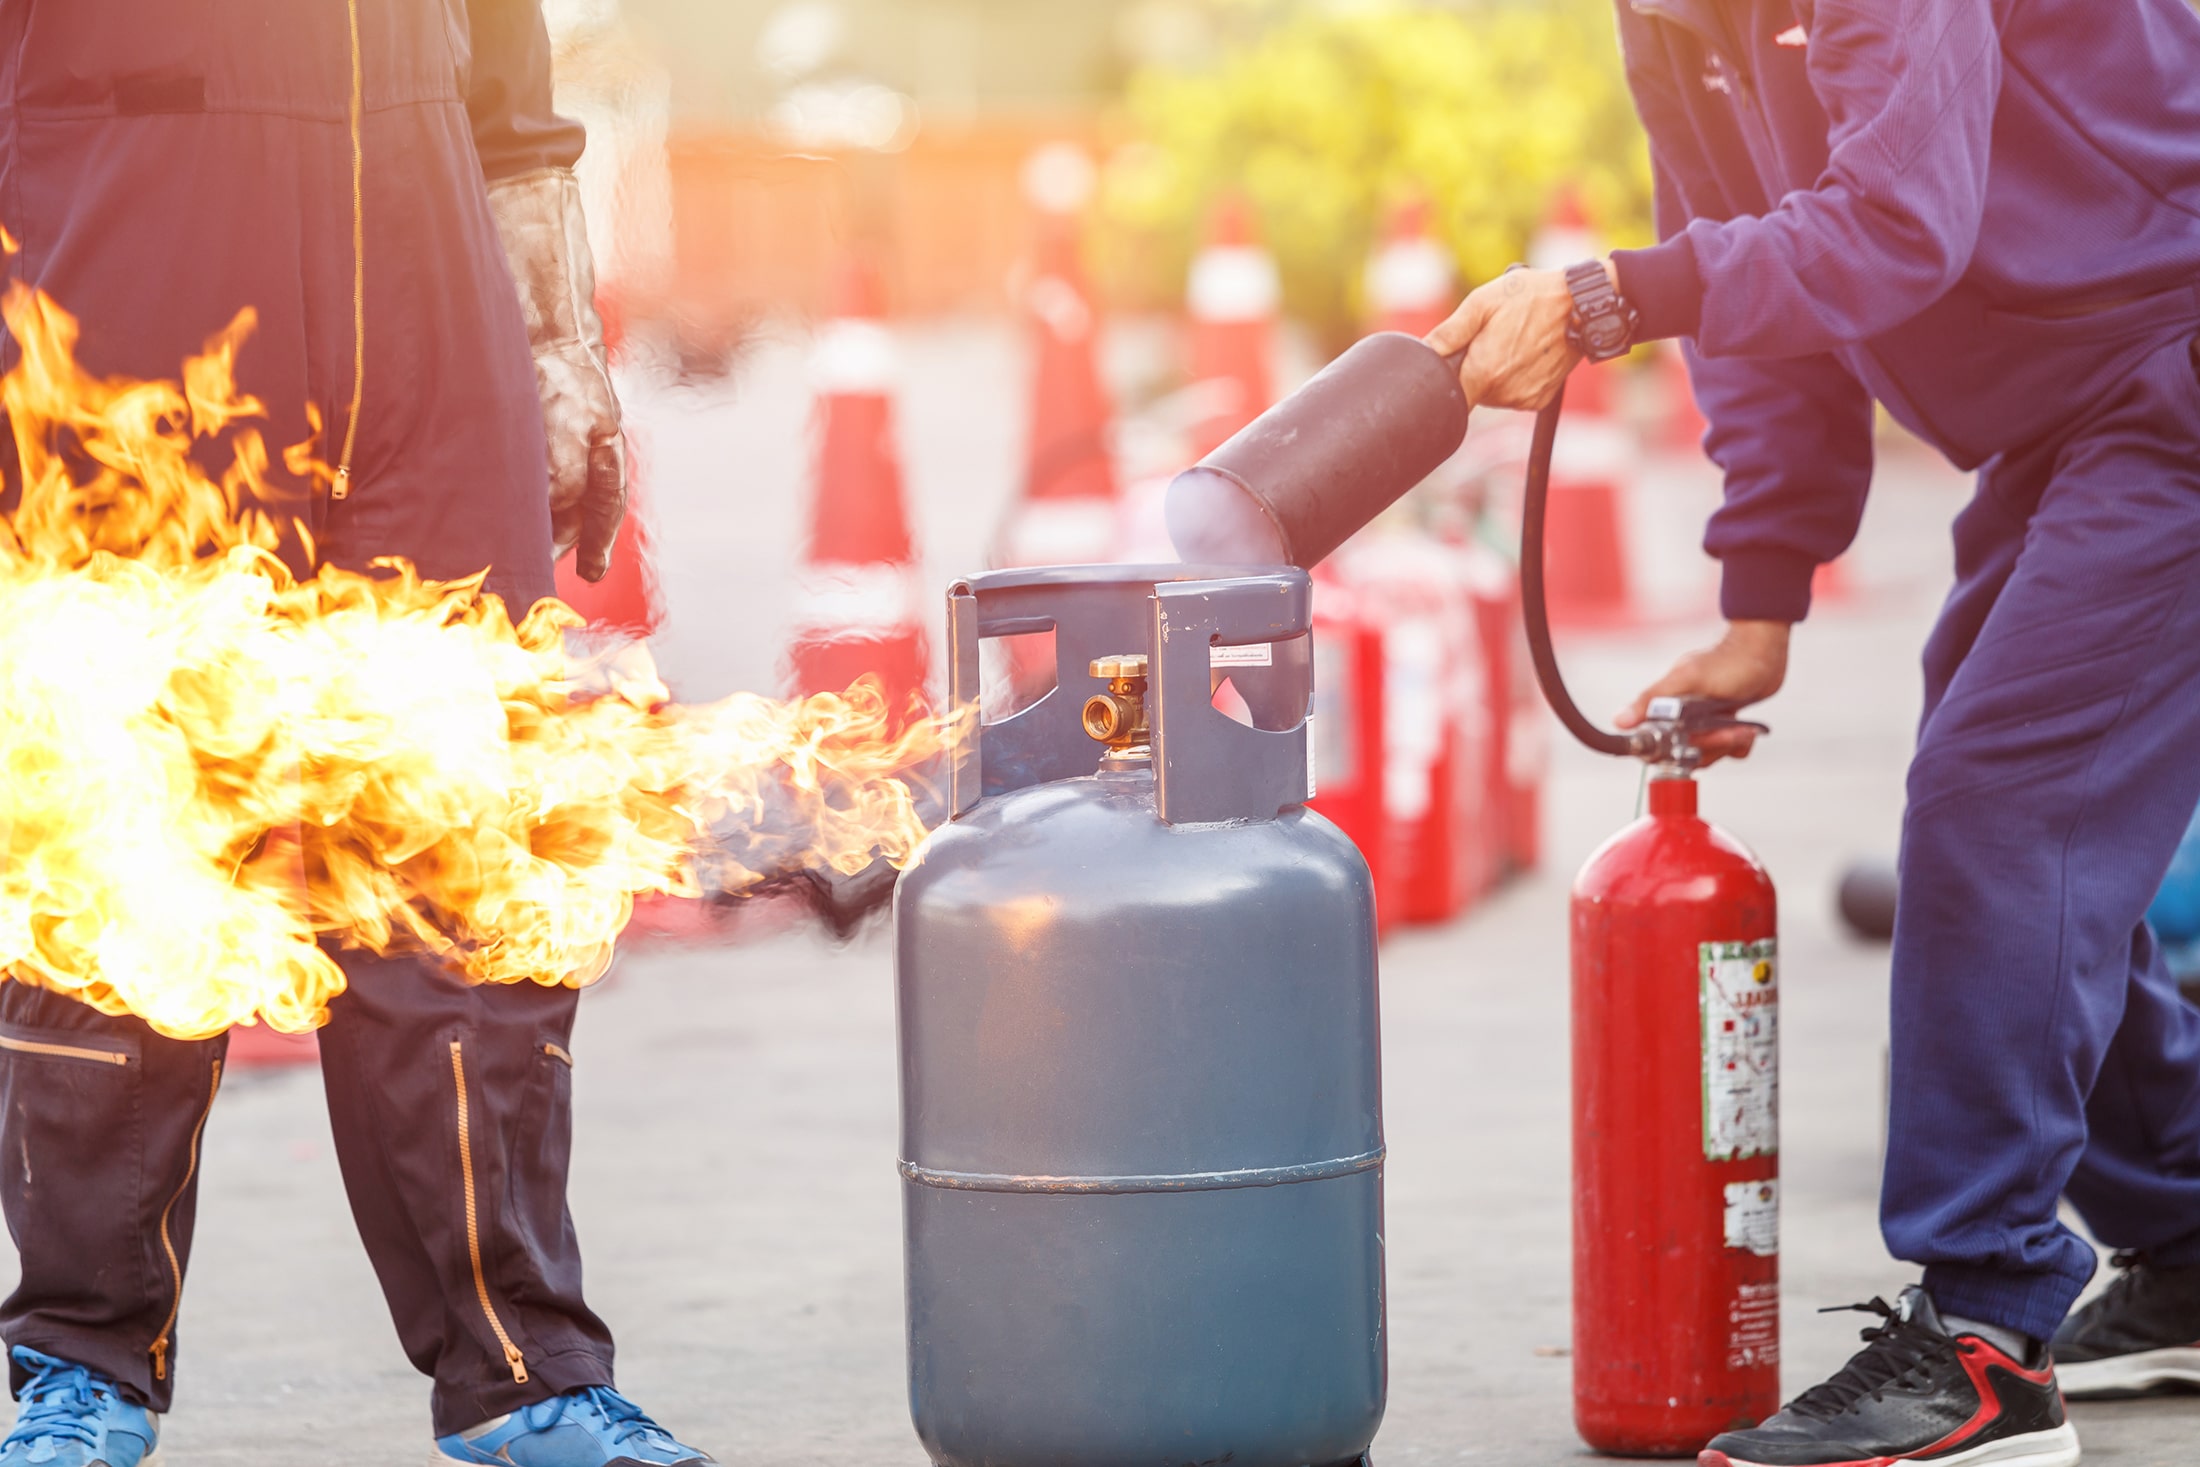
{"x":164,"y":165}
{"x":1985,"y":214}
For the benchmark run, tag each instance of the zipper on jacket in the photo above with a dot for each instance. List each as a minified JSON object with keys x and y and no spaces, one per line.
{"x":340,"y":485}
{"x":512,"y":1356}
{"x":159,"y":1350}
{"x":64,"y":1051}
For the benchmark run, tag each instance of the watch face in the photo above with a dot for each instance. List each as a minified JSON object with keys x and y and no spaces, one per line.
{"x":1604,"y":334}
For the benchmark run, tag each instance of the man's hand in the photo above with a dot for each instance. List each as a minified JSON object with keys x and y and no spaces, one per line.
{"x":1748,"y":664}
{"x":538,"y":215}
{"x":1514,"y":329}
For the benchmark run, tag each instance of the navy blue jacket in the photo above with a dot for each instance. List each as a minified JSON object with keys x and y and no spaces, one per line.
{"x":165,"y":165}
{"x":1982,"y":213}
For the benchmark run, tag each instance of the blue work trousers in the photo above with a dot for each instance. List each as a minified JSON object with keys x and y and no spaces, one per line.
{"x":2040,"y":1048}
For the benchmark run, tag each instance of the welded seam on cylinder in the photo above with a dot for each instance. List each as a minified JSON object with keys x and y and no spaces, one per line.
{"x":1259,"y":1176}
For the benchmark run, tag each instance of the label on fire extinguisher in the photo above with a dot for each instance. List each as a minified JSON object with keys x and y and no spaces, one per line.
{"x":1741,"y":1050}
{"x":1753,"y":1217}
{"x":1753,"y":1327}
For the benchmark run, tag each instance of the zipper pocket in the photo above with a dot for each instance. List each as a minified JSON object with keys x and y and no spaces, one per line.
{"x":64,"y":1051}
{"x":558,"y":1053}
{"x":159,"y":1349}
{"x":512,"y":1356}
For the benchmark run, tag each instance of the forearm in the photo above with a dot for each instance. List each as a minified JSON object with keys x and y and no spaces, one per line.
{"x":508,"y":95}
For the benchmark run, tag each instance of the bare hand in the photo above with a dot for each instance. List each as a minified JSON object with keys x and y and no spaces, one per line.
{"x":1514,"y":329}
{"x":1748,"y":664}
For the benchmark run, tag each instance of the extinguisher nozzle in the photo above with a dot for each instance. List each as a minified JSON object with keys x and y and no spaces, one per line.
{"x":1214,"y":519}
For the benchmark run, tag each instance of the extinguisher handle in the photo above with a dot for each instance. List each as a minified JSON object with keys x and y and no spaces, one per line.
{"x":1208,"y":766}
{"x":1674,"y":726}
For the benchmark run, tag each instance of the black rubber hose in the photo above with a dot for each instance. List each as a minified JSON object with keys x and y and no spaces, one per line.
{"x":1535,"y":610}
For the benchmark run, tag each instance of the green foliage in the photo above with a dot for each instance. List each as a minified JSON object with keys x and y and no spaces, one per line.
{"x":1331,"y":115}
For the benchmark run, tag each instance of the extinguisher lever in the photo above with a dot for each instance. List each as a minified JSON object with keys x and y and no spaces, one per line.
{"x":1674,"y":727}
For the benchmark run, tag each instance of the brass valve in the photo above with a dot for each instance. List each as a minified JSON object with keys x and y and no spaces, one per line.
{"x":1117,"y":717}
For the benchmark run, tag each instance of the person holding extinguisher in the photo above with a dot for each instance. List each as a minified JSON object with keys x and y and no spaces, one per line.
{"x":1985,"y":216}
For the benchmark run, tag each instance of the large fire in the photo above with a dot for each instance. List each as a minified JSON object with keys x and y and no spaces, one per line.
{"x":210,"y":769}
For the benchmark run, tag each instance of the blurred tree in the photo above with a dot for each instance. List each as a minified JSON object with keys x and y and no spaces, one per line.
{"x":1328,"y":115}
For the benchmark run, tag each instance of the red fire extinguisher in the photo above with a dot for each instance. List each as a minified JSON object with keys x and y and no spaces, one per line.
{"x":1676,"y":1087}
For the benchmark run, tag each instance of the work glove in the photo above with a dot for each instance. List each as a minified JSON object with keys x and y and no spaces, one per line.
{"x":538,"y":216}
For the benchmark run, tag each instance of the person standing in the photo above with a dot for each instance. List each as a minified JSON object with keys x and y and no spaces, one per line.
{"x":371,"y":177}
{"x":1985,"y":216}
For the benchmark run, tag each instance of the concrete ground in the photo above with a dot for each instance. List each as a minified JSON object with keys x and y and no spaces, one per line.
{"x":734,"y":1176}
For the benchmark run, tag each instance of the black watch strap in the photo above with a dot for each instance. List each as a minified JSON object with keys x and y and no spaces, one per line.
{"x":1603,"y":324}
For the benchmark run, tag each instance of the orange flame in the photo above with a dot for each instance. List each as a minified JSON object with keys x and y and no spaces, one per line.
{"x":208,"y":766}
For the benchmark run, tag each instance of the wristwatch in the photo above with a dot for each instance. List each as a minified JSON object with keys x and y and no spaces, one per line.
{"x":1603,"y":325}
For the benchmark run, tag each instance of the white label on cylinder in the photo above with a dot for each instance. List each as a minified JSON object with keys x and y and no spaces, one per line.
{"x":1740,"y":1005}
{"x":1753,"y":1217}
{"x":1254,"y":654}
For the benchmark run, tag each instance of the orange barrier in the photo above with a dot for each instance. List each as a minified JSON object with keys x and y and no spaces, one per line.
{"x":756,"y":225}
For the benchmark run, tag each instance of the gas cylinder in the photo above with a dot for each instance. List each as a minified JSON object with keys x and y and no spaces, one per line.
{"x":1676,"y":1132}
{"x":1141,"y":1117}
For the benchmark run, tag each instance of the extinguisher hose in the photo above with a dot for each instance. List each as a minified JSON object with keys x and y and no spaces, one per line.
{"x":1535,"y":609}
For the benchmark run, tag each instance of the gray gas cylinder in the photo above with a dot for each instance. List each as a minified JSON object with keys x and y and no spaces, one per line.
{"x":1141,"y":1104}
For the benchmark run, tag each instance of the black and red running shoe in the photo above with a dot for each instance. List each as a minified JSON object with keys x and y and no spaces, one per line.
{"x":2142,"y":1335}
{"x":1914,"y":1393}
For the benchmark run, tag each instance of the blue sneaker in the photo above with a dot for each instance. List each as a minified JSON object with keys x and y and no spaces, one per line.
{"x":593,"y":1427}
{"x":71,"y":1417}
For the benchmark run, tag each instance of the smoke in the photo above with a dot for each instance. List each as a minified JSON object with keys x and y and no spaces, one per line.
{"x":1215,"y":520}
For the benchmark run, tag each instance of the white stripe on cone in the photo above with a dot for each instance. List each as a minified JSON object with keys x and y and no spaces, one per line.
{"x":1061,"y":532}
{"x":839,"y":599}
{"x":1234,"y":283}
{"x":853,"y":355}
{"x":1410,"y":275}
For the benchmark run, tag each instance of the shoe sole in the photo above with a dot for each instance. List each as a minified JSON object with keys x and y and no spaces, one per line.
{"x":2131,"y":1375}
{"x":436,"y":1458}
{"x":2057,"y":1448}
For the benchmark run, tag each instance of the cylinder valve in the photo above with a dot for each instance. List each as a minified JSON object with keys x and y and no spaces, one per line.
{"x":1117,"y":717}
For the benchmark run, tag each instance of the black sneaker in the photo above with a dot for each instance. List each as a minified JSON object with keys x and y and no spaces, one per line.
{"x":1914,"y":1393}
{"x":2142,"y":1335}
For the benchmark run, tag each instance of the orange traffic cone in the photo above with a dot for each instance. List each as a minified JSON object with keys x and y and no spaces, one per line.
{"x":1068,"y":513}
{"x":1412,"y":283}
{"x":627,"y":599}
{"x":858,"y":608}
{"x":1589,"y":579}
{"x":257,"y":1047}
{"x":1233,"y":295}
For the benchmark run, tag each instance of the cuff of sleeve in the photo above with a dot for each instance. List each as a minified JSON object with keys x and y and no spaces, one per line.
{"x":1766,"y":585}
{"x":1662,"y":284}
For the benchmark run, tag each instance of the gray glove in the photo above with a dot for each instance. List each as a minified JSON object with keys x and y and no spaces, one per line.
{"x":538,"y":215}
